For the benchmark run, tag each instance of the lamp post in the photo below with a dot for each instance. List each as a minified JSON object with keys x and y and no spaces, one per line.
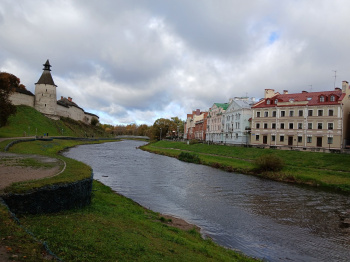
{"x":160,"y":136}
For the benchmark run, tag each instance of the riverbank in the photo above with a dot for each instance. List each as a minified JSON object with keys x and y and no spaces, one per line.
{"x":112,"y":228}
{"x":327,"y":171}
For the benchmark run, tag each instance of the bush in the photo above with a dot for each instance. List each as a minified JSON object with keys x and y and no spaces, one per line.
{"x":269,"y":162}
{"x":188,"y":157}
{"x":194,"y":141}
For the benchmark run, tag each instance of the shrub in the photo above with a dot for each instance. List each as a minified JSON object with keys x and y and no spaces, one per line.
{"x":269,"y":162}
{"x":194,"y":141}
{"x":188,"y":157}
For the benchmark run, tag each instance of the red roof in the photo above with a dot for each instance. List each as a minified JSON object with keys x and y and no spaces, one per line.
{"x":312,"y":98}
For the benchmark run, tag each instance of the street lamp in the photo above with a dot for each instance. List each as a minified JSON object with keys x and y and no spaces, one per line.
{"x":160,"y":136}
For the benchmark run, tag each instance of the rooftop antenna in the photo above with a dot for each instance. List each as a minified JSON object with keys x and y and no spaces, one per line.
{"x":335,"y":76}
{"x":310,"y":88}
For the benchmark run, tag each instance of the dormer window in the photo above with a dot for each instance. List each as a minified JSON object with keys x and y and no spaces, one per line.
{"x":268,"y":101}
{"x":276,"y":101}
{"x":321,"y":98}
{"x":332,"y":99}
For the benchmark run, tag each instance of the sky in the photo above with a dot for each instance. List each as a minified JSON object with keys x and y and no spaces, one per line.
{"x":134,"y":61}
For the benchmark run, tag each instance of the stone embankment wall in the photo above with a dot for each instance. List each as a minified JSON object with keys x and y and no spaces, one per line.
{"x":52,"y":198}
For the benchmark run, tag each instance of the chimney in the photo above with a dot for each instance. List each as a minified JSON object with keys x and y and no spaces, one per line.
{"x":70,"y":99}
{"x":337,"y":89}
{"x":304,"y":92}
{"x":345,"y":86}
{"x":61,"y":97}
{"x":198,"y":112}
{"x":269,"y":93}
{"x":285,"y":92}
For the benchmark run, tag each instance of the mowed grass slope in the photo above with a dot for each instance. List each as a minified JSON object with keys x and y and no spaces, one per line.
{"x":312,"y":168}
{"x":30,"y":122}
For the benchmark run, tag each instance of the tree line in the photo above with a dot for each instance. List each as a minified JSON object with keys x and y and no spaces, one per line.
{"x":162,"y":128}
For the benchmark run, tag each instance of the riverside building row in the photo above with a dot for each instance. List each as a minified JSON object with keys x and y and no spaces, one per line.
{"x":306,"y":120}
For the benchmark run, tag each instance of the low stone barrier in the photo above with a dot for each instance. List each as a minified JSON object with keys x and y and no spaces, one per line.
{"x":51,"y":198}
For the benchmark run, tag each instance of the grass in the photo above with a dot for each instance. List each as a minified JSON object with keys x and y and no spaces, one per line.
{"x":112,"y":228}
{"x":331,"y":171}
{"x":30,"y":122}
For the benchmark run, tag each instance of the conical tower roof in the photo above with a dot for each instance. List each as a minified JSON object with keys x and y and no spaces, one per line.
{"x":46,"y":77}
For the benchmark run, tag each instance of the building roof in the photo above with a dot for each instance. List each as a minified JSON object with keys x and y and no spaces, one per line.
{"x":222,"y":105}
{"x":46,"y":77}
{"x":304,"y":98}
{"x":67,"y":103}
{"x":22,"y":91}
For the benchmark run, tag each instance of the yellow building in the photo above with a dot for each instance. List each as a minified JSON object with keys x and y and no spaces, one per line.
{"x":306,"y":120}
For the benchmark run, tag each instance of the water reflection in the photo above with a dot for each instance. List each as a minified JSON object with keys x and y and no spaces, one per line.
{"x":262,"y":218}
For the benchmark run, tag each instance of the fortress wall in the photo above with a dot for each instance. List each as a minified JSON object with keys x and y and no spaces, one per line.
{"x":22,"y":99}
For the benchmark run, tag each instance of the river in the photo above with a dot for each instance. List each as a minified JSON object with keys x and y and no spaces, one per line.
{"x":261,"y":218}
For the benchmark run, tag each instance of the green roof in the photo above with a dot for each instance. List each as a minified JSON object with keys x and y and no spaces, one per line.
{"x":222,"y":105}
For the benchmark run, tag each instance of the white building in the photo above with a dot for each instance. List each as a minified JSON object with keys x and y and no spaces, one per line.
{"x":236,"y":121}
{"x":215,"y":124}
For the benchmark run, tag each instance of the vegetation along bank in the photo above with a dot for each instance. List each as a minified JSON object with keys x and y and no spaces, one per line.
{"x":327,"y":171}
{"x":111,"y":228}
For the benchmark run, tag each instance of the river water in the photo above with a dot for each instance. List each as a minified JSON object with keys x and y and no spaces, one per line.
{"x":262,"y":218}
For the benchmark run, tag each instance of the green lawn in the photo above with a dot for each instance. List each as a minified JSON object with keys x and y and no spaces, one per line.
{"x":311,"y":168}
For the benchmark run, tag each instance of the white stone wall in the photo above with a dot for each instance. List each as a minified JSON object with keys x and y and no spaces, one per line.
{"x":45,"y":99}
{"x":22,"y":99}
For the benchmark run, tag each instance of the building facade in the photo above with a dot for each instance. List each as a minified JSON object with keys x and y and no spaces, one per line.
{"x":307,"y":120}
{"x":215,"y":123}
{"x":236,"y":121}
{"x":45,"y":100}
{"x":195,"y":125}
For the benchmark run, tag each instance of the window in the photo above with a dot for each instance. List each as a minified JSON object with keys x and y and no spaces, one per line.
{"x":273,"y":125}
{"x":291,"y":113}
{"x":321,"y":98}
{"x":310,"y":112}
{"x":330,"y":126}
{"x":319,"y":125}
{"x":320,"y":112}
{"x":257,"y":137}
{"x":276,"y":101}
{"x":309,"y":139}
{"x":257,"y":114}
{"x":300,"y":112}
{"x":273,"y":138}
{"x":268,"y":101}
{"x":274,"y":113}
{"x":300,"y":139}
{"x":330,"y":140}
{"x":265,"y":125}
{"x":291,"y":125}
{"x":283,"y":113}
{"x":309,"y":125}
{"x":281,"y":138}
{"x":300,"y":125}
{"x":332,"y":98}
{"x":330,"y":112}
{"x":266,"y":114}
{"x":257,"y":125}
{"x":282,"y":125}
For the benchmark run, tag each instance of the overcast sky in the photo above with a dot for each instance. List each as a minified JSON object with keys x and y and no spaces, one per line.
{"x":136,"y":61}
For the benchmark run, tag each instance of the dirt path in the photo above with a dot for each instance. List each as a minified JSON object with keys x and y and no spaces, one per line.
{"x":13,"y":168}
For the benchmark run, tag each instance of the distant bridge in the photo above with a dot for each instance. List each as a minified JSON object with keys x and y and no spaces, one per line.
{"x":139,"y":137}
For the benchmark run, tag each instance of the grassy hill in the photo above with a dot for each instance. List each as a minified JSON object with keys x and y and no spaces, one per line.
{"x":29,"y":122}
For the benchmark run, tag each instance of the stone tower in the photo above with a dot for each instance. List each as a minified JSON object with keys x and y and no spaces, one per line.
{"x":45,"y":93}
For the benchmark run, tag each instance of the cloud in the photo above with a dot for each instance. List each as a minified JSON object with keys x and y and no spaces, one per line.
{"x":136,"y":61}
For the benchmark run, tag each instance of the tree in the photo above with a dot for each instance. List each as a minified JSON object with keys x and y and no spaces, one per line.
{"x":8,"y":83}
{"x":94,"y":121}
